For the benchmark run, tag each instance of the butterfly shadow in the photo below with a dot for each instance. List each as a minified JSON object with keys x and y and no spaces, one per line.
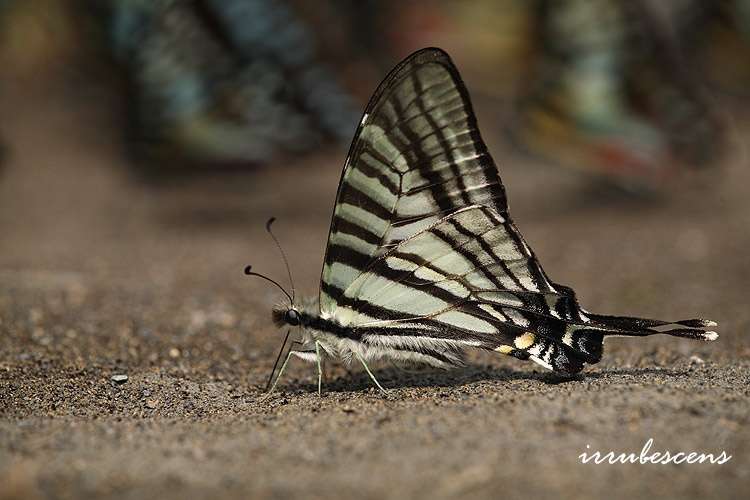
{"x":619,"y":373}
{"x":396,"y":378}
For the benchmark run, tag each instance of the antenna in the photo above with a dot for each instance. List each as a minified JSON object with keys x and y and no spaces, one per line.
{"x":283,"y":255}
{"x":249,"y":272}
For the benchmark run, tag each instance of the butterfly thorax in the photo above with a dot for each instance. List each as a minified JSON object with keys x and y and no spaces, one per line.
{"x":334,"y":337}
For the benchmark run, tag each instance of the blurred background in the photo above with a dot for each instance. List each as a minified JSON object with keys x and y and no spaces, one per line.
{"x":144,"y":143}
{"x":623,"y":90}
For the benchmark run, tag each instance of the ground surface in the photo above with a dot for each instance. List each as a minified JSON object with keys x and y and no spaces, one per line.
{"x":101,"y":274}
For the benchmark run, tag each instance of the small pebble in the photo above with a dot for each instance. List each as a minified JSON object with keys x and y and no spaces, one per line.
{"x":696,"y":360}
{"x":174,"y":353}
{"x":152,"y":404}
{"x":119,"y":379}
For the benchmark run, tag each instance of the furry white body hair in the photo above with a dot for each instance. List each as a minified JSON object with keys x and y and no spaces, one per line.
{"x":370,"y":346}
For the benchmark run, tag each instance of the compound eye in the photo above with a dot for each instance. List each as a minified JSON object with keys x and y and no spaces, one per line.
{"x":292,"y":317}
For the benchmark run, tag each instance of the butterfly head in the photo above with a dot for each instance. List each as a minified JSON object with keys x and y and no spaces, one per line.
{"x":286,"y":315}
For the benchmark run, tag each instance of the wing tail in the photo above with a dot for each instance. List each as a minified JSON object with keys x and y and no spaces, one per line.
{"x":565,"y":347}
{"x":643,"y":327}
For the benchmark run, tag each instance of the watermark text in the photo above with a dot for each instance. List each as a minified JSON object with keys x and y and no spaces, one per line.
{"x":657,"y":458}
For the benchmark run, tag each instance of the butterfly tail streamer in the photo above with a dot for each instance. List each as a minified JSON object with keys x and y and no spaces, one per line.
{"x":642,"y":327}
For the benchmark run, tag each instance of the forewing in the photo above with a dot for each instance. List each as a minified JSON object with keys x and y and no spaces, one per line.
{"x":416,"y":157}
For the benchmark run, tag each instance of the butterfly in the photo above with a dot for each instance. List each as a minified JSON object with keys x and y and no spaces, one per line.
{"x":423,"y":259}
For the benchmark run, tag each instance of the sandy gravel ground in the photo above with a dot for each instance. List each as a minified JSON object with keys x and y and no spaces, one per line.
{"x":103,"y":275}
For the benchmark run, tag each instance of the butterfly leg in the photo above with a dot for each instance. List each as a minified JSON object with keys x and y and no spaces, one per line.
{"x":370,"y":373}
{"x":320,"y":368}
{"x":304,"y":355}
{"x":283,"y":366}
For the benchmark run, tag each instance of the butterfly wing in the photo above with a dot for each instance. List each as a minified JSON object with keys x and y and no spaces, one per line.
{"x":416,"y":156}
{"x":423,"y":256}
